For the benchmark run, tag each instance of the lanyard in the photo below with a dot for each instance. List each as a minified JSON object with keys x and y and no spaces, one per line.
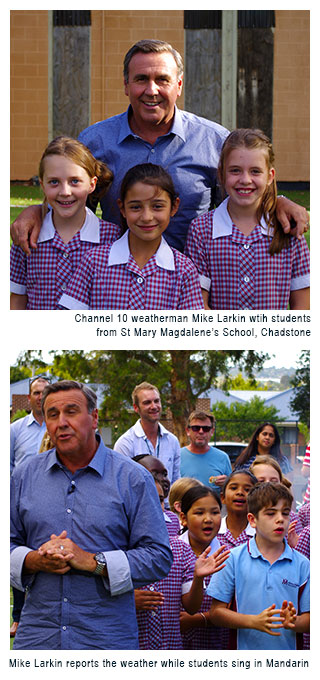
{"x":151,"y":451}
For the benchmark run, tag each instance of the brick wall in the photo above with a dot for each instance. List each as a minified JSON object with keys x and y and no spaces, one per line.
{"x":112,"y":34}
{"x":29,"y":91}
{"x":291,"y":103}
{"x":20,"y":401}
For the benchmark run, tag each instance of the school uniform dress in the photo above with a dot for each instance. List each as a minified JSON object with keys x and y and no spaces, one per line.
{"x":237,"y":270}
{"x":253,"y":584}
{"x":225,"y":537}
{"x":45,"y":273}
{"x":172,"y":523}
{"x":160,"y":629}
{"x":207,"y":637}
{"x":109,"y":278}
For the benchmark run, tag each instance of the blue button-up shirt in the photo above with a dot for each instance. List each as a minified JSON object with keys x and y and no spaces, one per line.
{"x":189,"y":152}
{"x":111,"y":507}
{"x":26,"y":435}
{"x":167,"y":449}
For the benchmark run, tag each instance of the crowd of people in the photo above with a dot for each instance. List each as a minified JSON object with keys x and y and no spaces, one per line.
{"x":165,"y":240}
{"x":150,"y":545}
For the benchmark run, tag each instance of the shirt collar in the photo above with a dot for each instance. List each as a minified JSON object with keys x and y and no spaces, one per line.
{"x":120,"y":253}
{"x":90,"y":230}
{"x":31,"y":419}
{"x":214,"y":545}
{"x":139,"y":431}
{"x":176,"y":128}
{"x":97,"y":463}
{"x":255,"y":552}
{"x":250,"y":531}
{"x":222,"y":222}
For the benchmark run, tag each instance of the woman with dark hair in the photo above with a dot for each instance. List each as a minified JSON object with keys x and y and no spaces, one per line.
{"x":264,"y":441}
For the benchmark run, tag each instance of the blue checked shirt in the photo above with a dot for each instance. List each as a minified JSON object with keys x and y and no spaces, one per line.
{"x":113,"y":507}
{"x":189,"y":152}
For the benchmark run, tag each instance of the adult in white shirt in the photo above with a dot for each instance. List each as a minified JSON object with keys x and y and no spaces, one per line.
{"x":147,"y":435}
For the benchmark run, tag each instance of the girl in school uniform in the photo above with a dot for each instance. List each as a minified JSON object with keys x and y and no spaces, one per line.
{"x":68,"y":174}
{"x":140,"y":270}
{"x":244,"y":259}
{"x":201,"y":518}
{"x":235,"y":528}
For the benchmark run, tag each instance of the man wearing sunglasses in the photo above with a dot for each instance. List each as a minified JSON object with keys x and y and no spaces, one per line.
{"x":201,"y":460}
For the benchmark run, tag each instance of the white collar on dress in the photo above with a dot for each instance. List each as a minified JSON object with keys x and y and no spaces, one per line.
{"x":250,"y":531}
{"x":90,"y":230}
{"x":120,"y":253}
{"x":222,"y":222}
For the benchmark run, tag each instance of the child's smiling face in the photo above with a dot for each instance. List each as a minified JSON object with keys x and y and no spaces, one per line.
{"x":247,"y":176}
{"x":66,"y":186}
{"x":147,"y":210}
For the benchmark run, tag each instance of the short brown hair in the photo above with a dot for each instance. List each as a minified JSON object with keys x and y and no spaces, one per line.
{"x":270,"y":460}
{"x":147,"y":46}
{"x":201,"y":415}
{"x":266,"y":495}
{"x":142,"y":386}
{"x":65,"y":386}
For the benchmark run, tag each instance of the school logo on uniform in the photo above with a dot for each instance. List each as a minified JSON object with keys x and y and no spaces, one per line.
{"x":285,"y":582}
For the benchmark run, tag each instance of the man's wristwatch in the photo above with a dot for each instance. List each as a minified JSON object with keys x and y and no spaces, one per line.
{"x":101,"y":563}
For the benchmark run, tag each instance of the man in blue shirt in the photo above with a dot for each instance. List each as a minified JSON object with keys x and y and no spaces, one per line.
{"x":87,"y":528}
{"x":201,"y":460}
{"x":154,"y":130}
{"x":26,"y":435}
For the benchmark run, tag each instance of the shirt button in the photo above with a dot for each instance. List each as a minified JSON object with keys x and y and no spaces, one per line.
{"x":65,"y":255}
{"x":68,"y":511}
{"x":246,"y":246}
{"x":153,"y":613}
{"x":151,"y":587}
{"x":64,"y":627}
{"x":246,"y":279}
{"x":152,"y":150}
{"x":63,"y":287}
{"x":139,"y":279}
{"x":65,"y":599}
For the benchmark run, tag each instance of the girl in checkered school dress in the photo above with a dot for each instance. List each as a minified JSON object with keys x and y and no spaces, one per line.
{"x":244,"y":259}
{"x":140,"y":270}
{"x":201,"y":518}
{"x":68,"y":175}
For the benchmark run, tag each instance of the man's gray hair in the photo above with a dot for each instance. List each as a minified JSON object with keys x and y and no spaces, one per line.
{"x":65,"y":386}
{"x":148,"y":46}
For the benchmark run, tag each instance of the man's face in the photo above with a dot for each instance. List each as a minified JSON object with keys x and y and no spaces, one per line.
{"x":35,"y":396}
{"x":201,"y":435}
{"x":149,"y":405}
{"x":70,"y":426}
{"x":153,"y":87}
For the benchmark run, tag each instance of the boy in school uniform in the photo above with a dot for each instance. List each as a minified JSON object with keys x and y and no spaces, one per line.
{"x":266,"y":581}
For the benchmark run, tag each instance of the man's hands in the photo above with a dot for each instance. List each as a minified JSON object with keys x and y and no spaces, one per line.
{"x":58,"y":556}
{"x":288,"y":210}
{"x":26,"y":228}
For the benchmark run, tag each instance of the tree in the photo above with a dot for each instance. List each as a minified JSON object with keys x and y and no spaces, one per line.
{"x":239,"y":382}
{"x":300,"y":402}
{"x":180,"y":375}
{"x":238,"y":421}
